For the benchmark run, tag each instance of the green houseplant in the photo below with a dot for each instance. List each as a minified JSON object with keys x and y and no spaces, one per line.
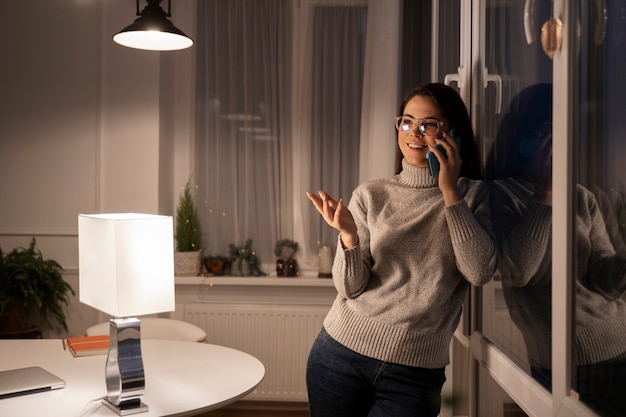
{"x":32,"y":291}
{"x":187,"y":259}
{"x":244,"y":261}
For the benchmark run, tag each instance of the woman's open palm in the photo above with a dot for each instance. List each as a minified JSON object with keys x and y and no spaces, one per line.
{"x":336,"y":215}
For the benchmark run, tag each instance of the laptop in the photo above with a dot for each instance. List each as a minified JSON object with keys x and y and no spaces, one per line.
{"x":29,"y":380}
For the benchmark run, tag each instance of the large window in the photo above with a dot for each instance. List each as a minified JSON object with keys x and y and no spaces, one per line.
{"x":251,"y":121}
{"x":551,"y":327}
{"x":598,"y":281}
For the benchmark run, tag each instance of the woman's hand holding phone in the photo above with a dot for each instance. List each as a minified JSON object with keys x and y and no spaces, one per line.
{"x":433,"y":160}
{"x":445,"y":163}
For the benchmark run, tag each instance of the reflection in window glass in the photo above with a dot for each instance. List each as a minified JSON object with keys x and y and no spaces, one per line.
{"x":516,"y":132}
{"x":522,"y":218}
{"x":599,"y":353}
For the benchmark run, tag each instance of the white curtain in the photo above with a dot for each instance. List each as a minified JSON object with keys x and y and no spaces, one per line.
{"x":337,"y":45}
{"x":243,"y":163}
{"x":381,"y":91}
{"x":278,"y":113}
{"x":338,"y":161}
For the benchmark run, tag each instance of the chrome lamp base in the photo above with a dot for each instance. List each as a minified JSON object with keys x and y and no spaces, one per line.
{"x":124,"y":372}
{"x":126,"y":409}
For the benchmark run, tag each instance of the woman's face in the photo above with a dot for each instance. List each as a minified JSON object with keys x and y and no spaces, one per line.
{"x":414,"y":144}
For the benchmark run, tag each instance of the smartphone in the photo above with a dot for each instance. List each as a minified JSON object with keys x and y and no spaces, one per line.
{"x":433,"y":162}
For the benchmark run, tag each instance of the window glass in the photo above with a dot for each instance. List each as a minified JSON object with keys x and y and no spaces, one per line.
{"x":599,"y":198}
{"x":515,"y":124}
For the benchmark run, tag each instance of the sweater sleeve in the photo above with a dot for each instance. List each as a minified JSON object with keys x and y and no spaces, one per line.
{"x":351,"y":268}
{"x":606,"y":269}
{"x":523,"y":228}
{"x":525,"y":248}
{"x":472,"y":238}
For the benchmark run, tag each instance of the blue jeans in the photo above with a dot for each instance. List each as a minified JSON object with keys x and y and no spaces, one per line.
{"x":343,"y":383}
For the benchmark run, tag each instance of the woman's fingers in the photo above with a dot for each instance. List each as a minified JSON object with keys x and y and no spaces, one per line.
{"x":317,"y":202}
{"x":327,"y":198}
{"x":337,"y":216}
{"x":329,"y":212}
{"x":325,"y":205}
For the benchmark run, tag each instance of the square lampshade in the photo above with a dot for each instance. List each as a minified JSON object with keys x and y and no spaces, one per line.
{"x":126,"y":263}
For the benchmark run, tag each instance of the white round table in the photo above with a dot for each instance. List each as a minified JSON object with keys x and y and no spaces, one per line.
{"x":182,"y":378}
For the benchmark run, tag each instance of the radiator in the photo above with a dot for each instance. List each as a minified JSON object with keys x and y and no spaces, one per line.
{"x":280,"y":336}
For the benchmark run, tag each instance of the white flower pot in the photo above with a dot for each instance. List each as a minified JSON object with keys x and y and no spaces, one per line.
{"x":187,"y":264}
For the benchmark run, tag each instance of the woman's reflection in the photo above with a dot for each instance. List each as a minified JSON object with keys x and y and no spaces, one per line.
{"x":522,"y":210}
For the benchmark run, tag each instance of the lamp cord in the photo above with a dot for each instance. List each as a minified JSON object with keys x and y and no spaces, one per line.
{"x":82,"y":410}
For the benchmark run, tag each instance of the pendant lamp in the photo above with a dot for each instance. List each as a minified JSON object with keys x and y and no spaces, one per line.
{"x":153,"y":31}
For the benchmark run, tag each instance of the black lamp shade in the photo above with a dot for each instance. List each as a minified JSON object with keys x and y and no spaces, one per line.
{"x":153,"y":31}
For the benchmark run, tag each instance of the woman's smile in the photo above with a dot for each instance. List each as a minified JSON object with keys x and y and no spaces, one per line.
{"x":417,"y":146}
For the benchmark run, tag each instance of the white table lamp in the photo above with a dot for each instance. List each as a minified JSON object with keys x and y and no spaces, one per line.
{"x":126,"y":263}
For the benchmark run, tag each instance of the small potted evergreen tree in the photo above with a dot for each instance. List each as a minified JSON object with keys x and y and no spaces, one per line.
{"x":188,"y":254}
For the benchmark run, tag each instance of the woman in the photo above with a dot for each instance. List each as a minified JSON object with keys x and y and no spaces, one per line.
{"x":408,"y":248}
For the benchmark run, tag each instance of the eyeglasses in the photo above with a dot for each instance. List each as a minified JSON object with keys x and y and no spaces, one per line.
{"x":428,"y":127}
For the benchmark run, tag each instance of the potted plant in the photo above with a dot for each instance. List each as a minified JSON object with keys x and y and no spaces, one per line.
{"x":286,"y":265}
{"x":187,"y":258}
{"x":215,"y":264}
{"x":32,"y":293}
{"x":244,"y":261}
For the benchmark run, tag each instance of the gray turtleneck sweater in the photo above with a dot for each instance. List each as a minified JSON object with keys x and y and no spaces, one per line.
{"x":400,"y":290}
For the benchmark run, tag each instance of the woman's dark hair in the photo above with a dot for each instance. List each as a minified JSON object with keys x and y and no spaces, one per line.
{"x":456,"y":114}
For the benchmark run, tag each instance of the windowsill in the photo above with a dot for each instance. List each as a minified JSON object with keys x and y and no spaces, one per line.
{"x":306,"y":279}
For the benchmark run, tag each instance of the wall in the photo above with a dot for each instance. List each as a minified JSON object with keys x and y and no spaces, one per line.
{"x":81,"y":127}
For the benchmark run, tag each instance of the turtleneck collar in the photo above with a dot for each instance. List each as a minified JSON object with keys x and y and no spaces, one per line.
{"x":416,"y":177}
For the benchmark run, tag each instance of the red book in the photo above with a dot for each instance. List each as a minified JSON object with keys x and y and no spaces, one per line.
{"x":88,"y":345}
